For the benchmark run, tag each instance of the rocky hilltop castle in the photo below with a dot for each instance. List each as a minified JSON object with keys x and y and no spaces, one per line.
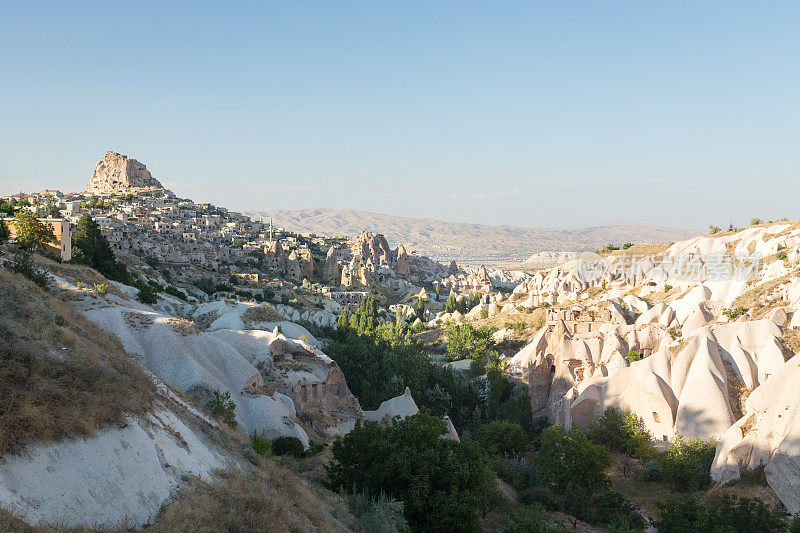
{"x":117,"y":172}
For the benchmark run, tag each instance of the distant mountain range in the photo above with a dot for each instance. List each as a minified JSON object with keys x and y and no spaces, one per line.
{"x":462,"y":241}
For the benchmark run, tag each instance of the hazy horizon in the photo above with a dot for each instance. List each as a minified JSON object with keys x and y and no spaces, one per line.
{"x":530,"y":115}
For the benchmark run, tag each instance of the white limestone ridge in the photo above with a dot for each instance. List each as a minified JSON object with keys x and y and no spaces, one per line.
{"x":119,"y":173}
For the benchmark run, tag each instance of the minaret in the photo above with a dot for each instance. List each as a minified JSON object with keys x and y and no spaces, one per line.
{"x":270,"y":230}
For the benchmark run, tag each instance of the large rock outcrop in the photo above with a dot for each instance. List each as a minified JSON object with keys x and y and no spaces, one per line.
{"x":768,"y":434}
{"x":119,"y":173}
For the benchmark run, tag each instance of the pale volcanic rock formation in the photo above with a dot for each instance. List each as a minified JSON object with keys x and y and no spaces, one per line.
{"x":269,"y":376}
{"x":402,"y":266}
{"x":332,"y":271}
{"x":119,"y":173}
{"x":402,"y":406}
{"x":118,"y":478}
{"x":768,"y":434}
{"x":575,"y":368}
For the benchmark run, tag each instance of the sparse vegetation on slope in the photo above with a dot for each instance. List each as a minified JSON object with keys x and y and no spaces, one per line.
{"x":270,"y":498}
{"x":61,"y":374}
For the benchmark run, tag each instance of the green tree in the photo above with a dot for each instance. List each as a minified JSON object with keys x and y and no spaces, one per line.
{"x":94,"y":248}
{"x":572,"y":467}
{"x":91,"y":248}
{"x":451,"y":303}
{"x":439,"y":481}
{"x":146,"y":294}
{"x":51,"y":208}
{"x":4,"y":232}
{"x":420,"y":310}
{"x":474,"y":299}
{"x":343,"y":322}
{"x":364,"y":320}
{"x":32,"y":233}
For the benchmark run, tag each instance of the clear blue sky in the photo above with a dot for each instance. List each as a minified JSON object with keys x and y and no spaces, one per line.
{"x":553,"y":113}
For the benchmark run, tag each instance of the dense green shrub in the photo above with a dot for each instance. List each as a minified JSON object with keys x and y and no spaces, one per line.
{"x":606,"y":248}
{"x":501,"y":437}
{"x":206,"y":285}
{"x":176,"y":292}
{"x":573,"y":468}
{"x":5,"y":233}
{"x":439,"y":481}
{"x":610,"y":508}
{"x":569,"y":463}
{"x":623,"y":432}
{"x":687,"y":463}
{"x":466,"y":342}
{"x":541,"y":495}
{"x":288,"y":446}
{"x":652,"y":471}
{"x":632,"y":356}
{"x":147,"y":295}
{"x":724,"y":514}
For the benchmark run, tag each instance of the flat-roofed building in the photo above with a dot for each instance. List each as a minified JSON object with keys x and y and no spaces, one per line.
{"x":62,"y":247}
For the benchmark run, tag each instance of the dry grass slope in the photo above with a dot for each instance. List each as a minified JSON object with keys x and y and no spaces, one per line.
{"x":61,"y":374}
{"x":270,"y":499}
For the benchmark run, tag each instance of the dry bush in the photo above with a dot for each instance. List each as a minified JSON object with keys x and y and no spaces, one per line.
{"x":293,"y":364}
{"x":737,"y":391}
{"x":262,"y":313}
{"x":137,"y":319}
{"x":204,"y":321}
{"x":183,"y":326}
{"x":61,"y":375}
{"x":12,"y":524}
{"x":270,"y":498}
